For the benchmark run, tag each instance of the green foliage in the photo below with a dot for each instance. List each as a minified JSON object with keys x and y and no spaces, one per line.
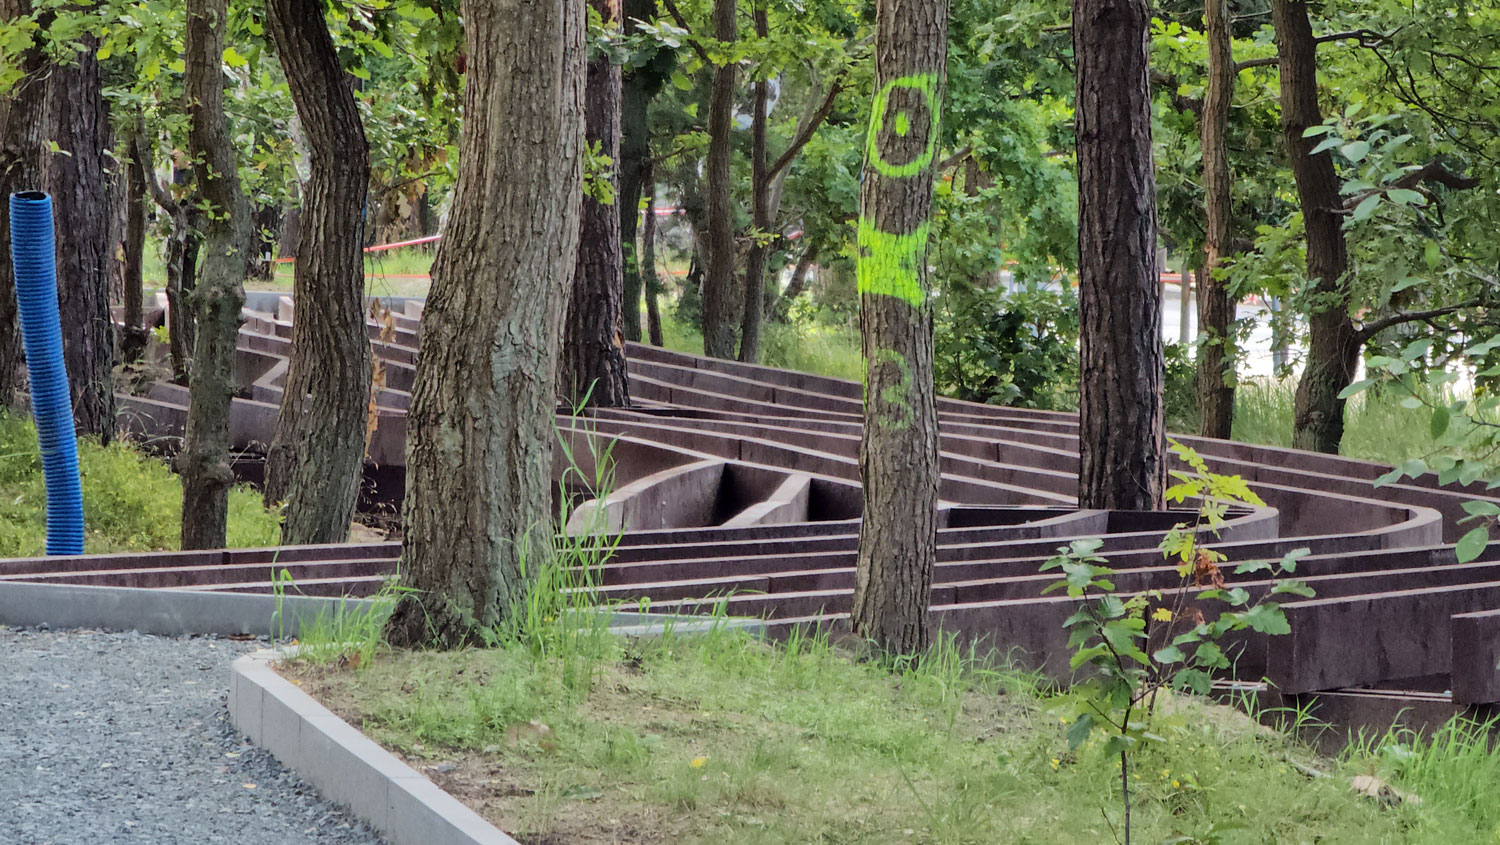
{"x":131,"y":502}
{"x":1465,"y":428}
{"x":1136,"y":646}
{"x":1007,"y":348}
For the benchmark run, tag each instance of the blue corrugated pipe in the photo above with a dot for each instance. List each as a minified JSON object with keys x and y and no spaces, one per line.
{"x":34,"y":257}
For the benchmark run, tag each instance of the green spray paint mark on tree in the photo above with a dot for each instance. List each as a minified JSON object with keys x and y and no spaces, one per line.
{"x":894,"y":408}
{"x":890,"y":263}
{"x":917,"y":93}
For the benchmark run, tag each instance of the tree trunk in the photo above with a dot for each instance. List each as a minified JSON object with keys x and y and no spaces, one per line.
{"x":753,"y":310}
{"x":648,"y":263}
{"x":592,"y":369}
{"x":21,"y":144}
{"x":317,"y":456}
{"x":1121,"y":434}
{"x":204,"y":461}
{"x":175,"y":258}
{"x":898,"y":453}
{"x":78,"y":123}
{"x":481,"y":428}
{"x":1216,"y":368}
{"x":1333,"y":345}
{"x":1185,"y":284}
{"x":639,"y":87}
{"x":798,"y":283}
{"x":133,"y":338}
{"x":718,"y":286}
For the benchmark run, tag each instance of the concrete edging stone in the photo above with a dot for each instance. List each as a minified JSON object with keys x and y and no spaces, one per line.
{"x":346,"y":766}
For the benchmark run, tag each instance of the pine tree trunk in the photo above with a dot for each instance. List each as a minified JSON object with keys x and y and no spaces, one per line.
{"x":1216,"y":366}
{"x":78,"y":122}
{"x":219,"y":294}
{"x":648,"y":262}
{"x":639,"y":87}
{"x":134,"y":336}
{"x":1121,"y":436}
{"x":20,"y":170}
{"x":316,"y":460}
{"x":592,"y":368}
{"x":480,"y":428}
{"x":718,"y":286}
{"x":753,"y":311}
{"x":1333,"y":345}
{"x":899,"y":448}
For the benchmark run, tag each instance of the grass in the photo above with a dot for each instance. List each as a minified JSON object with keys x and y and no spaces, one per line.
{"x":722,"y":738}
{"x":1376,"y":426}
{"x":804,"y":347}
{"x":131,"y":501}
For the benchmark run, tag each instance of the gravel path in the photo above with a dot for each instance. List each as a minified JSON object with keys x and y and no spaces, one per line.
{"x":124,"y":738}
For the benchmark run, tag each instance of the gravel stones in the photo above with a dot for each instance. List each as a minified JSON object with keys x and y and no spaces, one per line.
{"x":124,"y":738}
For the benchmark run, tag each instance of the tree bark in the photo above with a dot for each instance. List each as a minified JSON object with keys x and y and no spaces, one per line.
{"x":480,"y":428}
{"x":316,"y":460}
{"x":648,"y":263}
{"x":178,"y":259}
{"x":134,"y":336}
{"x":1216,"y":366}
{"x":21,"y":144}
{"x":78,"y":123}
{"x":592,"y":370}
{"x":204,"y":462}
{"x":640,"y":86}
{"x":1121,"y":436}
{"x":899,"y":447}
{"x":1333,"y":344}
{"x":798,"y":282}
{"x":718,"y":285}
{"x":753,"y":310}
{"x":1185,"y":285}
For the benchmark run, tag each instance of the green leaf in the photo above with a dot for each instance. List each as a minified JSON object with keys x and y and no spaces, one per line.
{"x":1196,"y":680}
{"x":1366,"y":207}
{"x":233,"y":58}
{"x":1472,"y":544}
{"x":1440,"y":419}
{"x":1355,"y":151}
{"x":1170,"y":654}
{"x":1405,"y":196}
{"x":1355,"y":387}
{"x":1267,"y":619}
{"x":1080,"y":729}
{"x":1296,"y":588}
{"x":1432,"y":255}
{"x":1482,"y":508}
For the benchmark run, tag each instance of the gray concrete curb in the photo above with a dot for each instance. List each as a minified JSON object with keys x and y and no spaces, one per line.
{"x":156,"y":611}
{"x":346,"y":766}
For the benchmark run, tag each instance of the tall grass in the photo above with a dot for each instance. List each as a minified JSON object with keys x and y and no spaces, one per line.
{"x":817,"y":348}
{"x":1376,"y":426}
{"x":1456,"y":768}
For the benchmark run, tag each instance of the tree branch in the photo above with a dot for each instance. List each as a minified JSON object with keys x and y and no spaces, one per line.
{"x":806,"y":131}
{"x":682,"y":24}
{"x":1369,"y":330}
{"x":1432,"y":171}
{"x":956,"y":159}
{"x":143,"y":148}
{"x":1268,"y":61}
